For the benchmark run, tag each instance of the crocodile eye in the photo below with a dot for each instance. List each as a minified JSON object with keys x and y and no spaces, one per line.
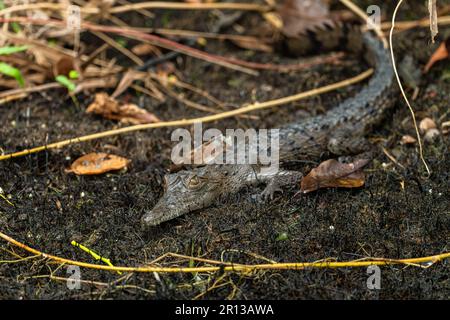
{"x":195,"y":182}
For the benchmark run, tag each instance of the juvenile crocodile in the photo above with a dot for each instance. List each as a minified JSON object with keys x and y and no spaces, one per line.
{"x":340,"y":131}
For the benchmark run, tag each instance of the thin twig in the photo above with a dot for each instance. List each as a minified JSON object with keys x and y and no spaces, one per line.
{"x":12,"y":98}
{"x":25,"y":91}
{"x":228,"y":62}
{"x":232,"y":63}
{"x":119,"y":48}
{"x":187,"y":102}
{"x":190,"y":6}
{"x":185,"y":122}
{"x":45,"y":5}
{"x":392,"y":158}
{"x":404,"y":25}
{"x":419,"y":141}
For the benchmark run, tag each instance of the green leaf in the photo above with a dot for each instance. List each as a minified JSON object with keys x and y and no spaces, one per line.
{"x":16,"y":27}
{"x":10,"y":71}
{"x":73,"y":74}
{"x":66,"y":82}
{"x":11,"y":50}
{"x":122,"y":42}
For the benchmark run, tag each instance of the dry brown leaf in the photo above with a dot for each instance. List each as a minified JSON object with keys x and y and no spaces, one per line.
{"x":52,"y":61}
{"x":441,"y":53}
{"x":64,"y":65}
{"x":331,"y":174}
{"x":299,"y":16}
{"x":97,"y":163}
{"x":45,"y":55}
{"x":109,"y":108}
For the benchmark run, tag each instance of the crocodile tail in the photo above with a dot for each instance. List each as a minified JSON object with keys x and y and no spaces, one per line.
{"x":336,"y":36}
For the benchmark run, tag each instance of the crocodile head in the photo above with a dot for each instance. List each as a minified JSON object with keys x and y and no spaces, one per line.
{"x":186,"y":191}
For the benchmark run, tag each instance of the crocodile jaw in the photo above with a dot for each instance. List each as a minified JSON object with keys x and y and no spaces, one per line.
{"x":171,"y":206}
{"x":186,"y":191}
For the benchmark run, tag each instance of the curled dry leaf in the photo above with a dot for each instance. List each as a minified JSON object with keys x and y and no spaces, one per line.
{"x":64,"y":65}
{"x":97,"y":163}
{"x":331,"y":174}
{"x":109,"y":108}
{"x":441,"y":53}
{"x":299,"y":16}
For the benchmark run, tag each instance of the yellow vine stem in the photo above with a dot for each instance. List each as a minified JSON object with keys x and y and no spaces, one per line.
{"x":95,"y":255}
{"x":419,"y":140}
{"x":185,"y":122}
{"x":418,"y":262}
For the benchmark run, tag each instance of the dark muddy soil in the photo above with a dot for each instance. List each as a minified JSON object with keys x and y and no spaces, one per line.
{"x":397,"y":214}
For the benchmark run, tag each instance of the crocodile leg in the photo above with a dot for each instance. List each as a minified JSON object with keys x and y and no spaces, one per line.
{"x":279,"y":180}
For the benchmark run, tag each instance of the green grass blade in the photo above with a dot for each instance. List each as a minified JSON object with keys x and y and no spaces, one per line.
{"x":11,"y":50}
{"x":66,"y":82}
{"x":10,"y":71}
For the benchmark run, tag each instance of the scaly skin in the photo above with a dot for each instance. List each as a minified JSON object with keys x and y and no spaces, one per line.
{"x":339,"y":131}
